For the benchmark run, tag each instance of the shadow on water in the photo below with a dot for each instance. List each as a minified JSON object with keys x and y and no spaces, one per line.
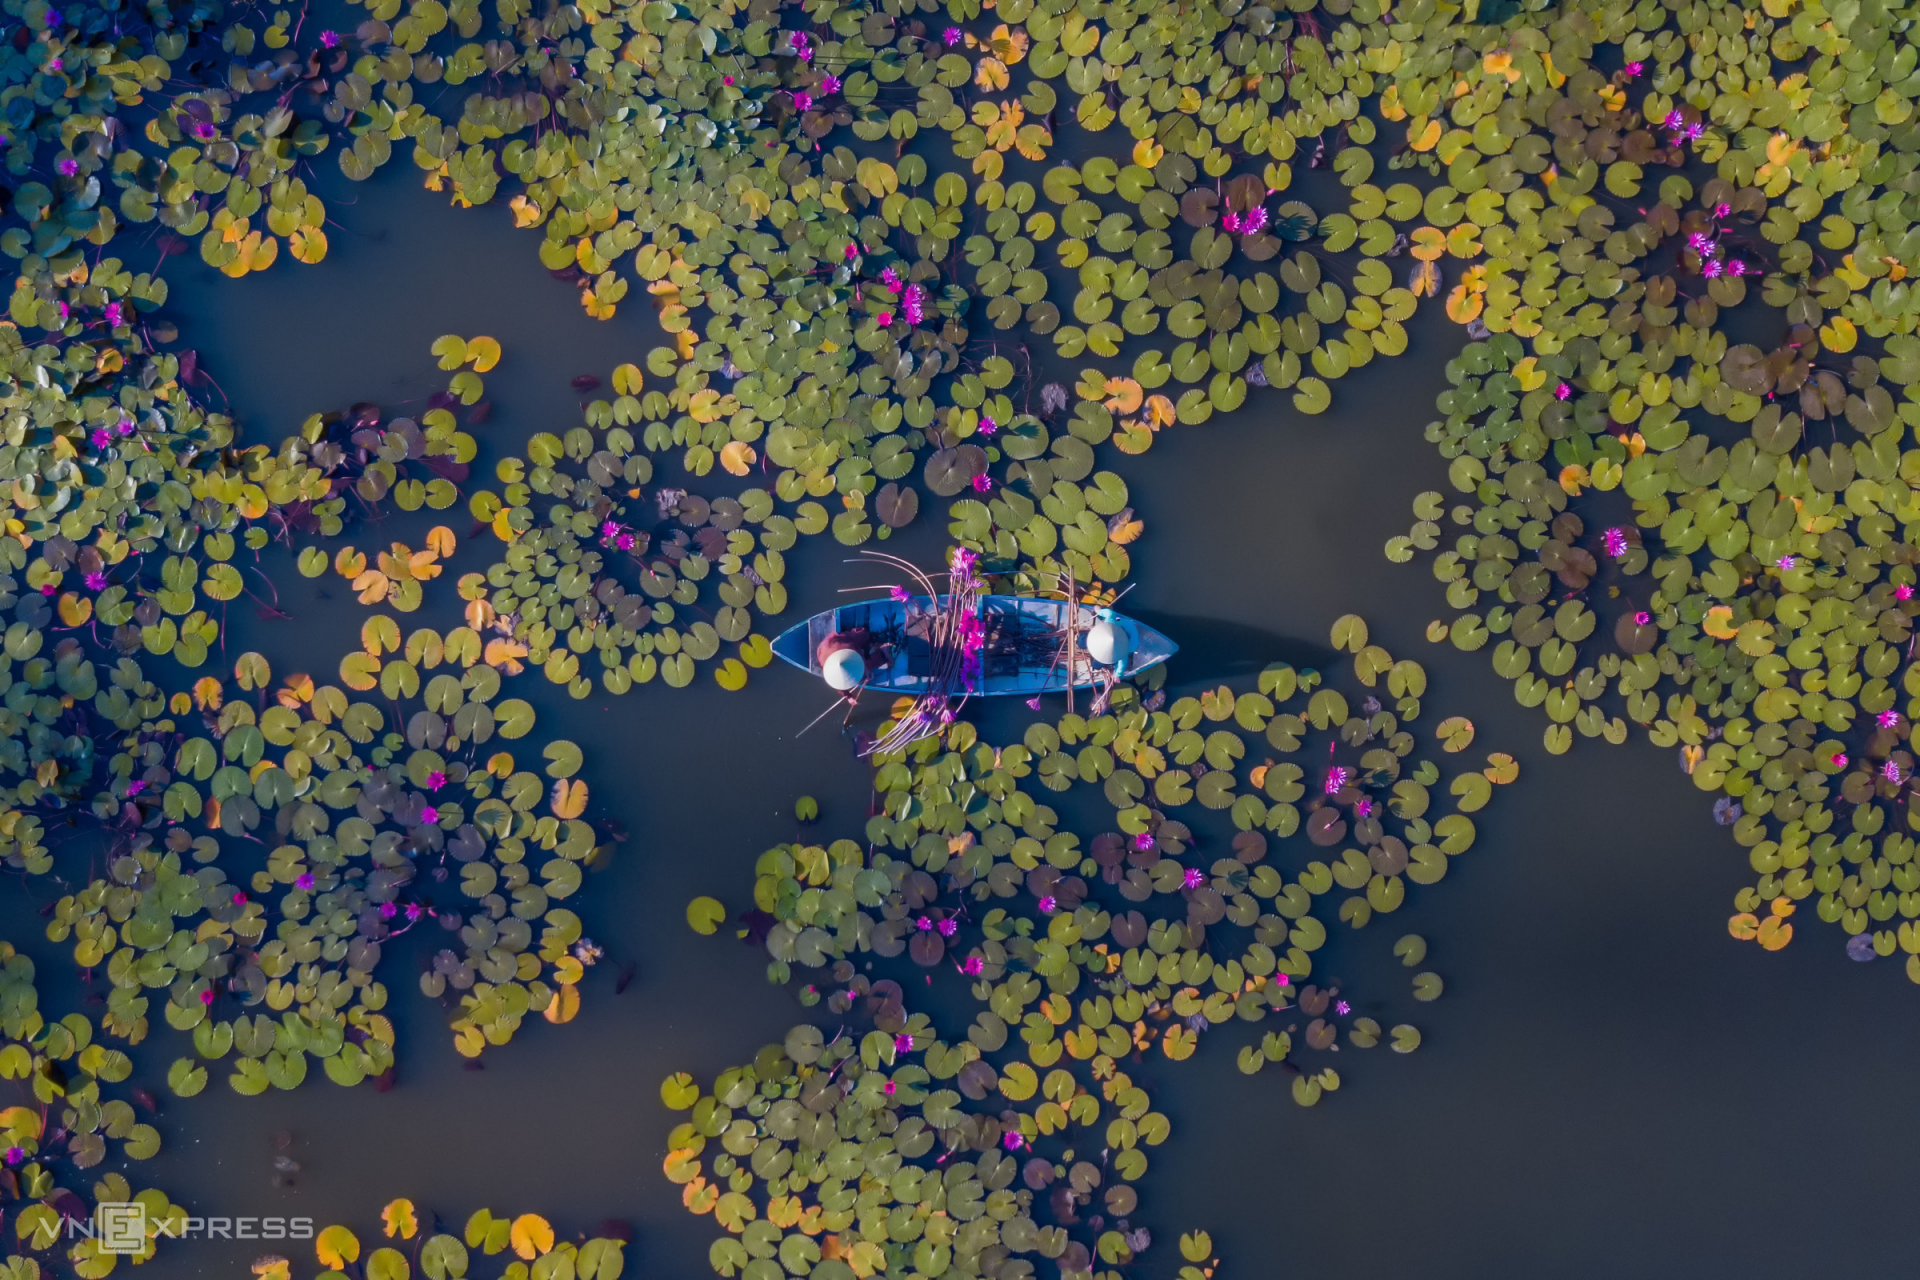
{"x":1226,"y":649}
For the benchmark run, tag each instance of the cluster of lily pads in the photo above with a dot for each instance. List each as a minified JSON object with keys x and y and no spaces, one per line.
{"x":445,"y":1255}
{"x":70,"y":1126}
{"x":360,"y":810}
{"x":1661,"y":524}
{"x":836,"y":297}
{"x":878,"y":1144}
{"x":133,"y":520}
{"x":816,"y":280}
{"x":127,"y":513}
{"x":376,"y":810}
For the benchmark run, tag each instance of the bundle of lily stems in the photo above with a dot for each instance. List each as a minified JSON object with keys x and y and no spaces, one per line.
{"x":955,"y":636}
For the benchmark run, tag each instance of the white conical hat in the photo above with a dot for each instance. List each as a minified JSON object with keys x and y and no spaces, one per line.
{"x":1108,"y":643}
{"x":844,"y":669}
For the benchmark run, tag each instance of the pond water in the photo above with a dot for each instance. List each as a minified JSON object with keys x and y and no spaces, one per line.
{"x":1610,"y":1085}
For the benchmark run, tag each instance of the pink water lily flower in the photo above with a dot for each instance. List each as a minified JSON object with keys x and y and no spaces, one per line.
{"x":1192,"y":878}
{"x":430,"y":815}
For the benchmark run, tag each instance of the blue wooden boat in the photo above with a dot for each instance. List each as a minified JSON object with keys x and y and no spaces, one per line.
{"x":1026,"y":651}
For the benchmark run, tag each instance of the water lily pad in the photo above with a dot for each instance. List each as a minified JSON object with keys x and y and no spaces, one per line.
{"x":705,"y":915}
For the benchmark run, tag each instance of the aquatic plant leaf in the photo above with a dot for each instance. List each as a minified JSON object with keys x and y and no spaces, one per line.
{"x":336,"y":1246}
{"x":705,"y":915}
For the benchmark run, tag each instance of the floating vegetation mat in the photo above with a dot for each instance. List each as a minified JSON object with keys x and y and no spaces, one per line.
{"x":880,"y":1142}
{"x":1678,"y":236}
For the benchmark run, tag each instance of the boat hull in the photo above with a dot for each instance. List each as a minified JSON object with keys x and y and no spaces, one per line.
{"x":1029,"y":666}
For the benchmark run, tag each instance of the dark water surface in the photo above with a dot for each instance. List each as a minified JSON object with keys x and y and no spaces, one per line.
{"x":1610,"y":1087}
